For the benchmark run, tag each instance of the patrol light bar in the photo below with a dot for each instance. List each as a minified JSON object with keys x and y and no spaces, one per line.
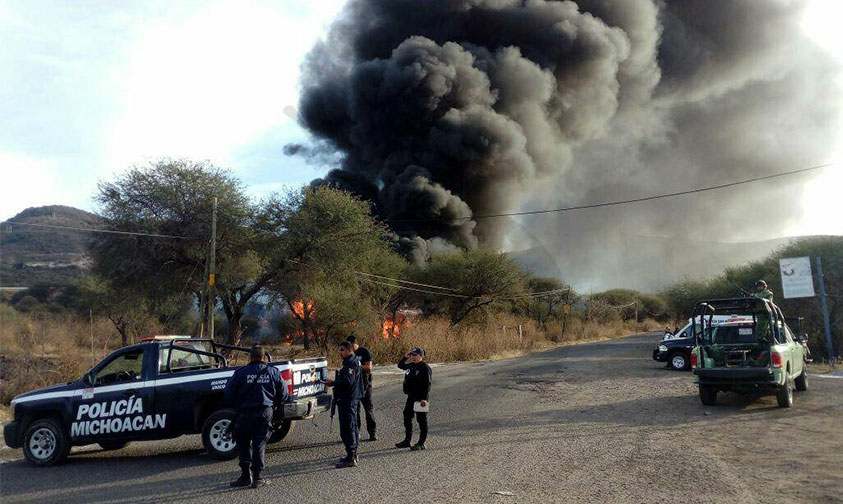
{"x":162,"y":337}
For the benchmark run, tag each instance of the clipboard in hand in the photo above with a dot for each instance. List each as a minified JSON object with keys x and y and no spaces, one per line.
{"x":418,"y":408}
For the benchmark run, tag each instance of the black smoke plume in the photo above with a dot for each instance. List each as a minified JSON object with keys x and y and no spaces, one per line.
{"x":445,"y":111}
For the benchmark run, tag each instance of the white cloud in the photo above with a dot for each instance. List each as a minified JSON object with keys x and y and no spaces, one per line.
{"x":203,"y":85}
{"x":25,"y":182}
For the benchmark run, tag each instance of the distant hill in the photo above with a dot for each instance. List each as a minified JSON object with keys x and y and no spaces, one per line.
{"x":31,"y":255}
{"x":643,"y":263}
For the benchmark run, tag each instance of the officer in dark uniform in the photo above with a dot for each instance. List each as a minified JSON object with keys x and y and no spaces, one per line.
{"x":365,"y":357}
{"x":417,"y":382}
{"x":253,"y":391}
{"x":348,"y":390}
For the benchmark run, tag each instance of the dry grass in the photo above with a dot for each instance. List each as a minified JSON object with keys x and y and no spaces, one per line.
{"x":38,"y":350}
{"x":488,"y":339}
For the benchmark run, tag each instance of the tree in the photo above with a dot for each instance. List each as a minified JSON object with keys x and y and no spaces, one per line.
{"x":480,"y":279}
{"x":541,"y":308}
{"x":175,"y":197}
{"x":130,"y":314}
{"x":326,"y":236}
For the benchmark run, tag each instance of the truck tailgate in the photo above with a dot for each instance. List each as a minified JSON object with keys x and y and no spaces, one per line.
{"x":307,"y":377}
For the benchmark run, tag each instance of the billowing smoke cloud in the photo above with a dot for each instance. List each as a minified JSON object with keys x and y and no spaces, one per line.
{"x":445,"y":111}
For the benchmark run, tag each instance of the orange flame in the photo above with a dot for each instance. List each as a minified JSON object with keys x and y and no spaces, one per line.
{"x":300,"y":309}
{"x":392,"y":326}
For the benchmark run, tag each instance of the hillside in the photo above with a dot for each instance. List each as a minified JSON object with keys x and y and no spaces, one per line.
{"x":30,"y":255}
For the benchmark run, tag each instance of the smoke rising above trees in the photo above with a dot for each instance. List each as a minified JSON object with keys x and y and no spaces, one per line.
{"x":441,"y":111}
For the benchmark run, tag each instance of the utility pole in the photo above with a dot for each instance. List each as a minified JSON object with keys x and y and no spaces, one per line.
{"x":212,"y":268}
{"x":203,"y":296}
{"x":636,"y":312}
{"x":824,"y":305}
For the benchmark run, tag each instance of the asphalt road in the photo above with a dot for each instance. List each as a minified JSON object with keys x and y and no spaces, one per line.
{"x":598,"y":422}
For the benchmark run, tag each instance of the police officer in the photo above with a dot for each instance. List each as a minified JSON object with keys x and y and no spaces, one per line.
{"x":417,"y":387}
{"x":761,"y":291}
{"x":253,"y":390}
{"x":348,"y":390}
{"x":365,"y":357}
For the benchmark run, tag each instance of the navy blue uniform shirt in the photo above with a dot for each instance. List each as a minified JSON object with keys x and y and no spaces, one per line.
{"x":349,"y":382}
{"x":417,"y":379}
{"x":365,"y":355}
{"x":270,"y":390}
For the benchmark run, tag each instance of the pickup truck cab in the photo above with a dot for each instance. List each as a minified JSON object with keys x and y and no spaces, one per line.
{"x":161,"y":388}
{"x":759,"y":356}
{"x":675,"y":349}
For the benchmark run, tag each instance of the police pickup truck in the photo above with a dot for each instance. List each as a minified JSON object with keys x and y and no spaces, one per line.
{"x":161,"y":388}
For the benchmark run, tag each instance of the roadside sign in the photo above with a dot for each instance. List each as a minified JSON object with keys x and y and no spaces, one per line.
{"x":797,"y":280}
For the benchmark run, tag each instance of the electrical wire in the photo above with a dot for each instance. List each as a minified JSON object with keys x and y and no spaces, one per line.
{"x":405,"y":281}
{"x":615,"y":203}
{"x":91,"y":230}
{"x":418,"y":290}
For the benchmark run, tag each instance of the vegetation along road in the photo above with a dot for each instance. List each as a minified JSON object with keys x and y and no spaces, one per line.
{"x":585,"y":423}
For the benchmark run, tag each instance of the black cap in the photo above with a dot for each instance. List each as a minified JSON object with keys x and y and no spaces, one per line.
{"x":351,"y":339}
{"x":417,"y":351}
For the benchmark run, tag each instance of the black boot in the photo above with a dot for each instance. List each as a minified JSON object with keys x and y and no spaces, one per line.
{"x":258,"y":480}
{"x":373,"y":436}
{"x":418,"y":446}
{"x":350,"y":460}
{"x":403,"y":444}
{"x":244,"y":480}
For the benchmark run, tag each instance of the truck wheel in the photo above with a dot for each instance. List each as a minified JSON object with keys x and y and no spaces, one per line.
{"x":112,"y":445}
{"x":678,"y":361}
{"x":801,"y":381}
{"x":217,"y":443}
{"x":708,"y":395}
{"x":785,"y":394}
{"x":46,"y":442}
{"x":281,"y":431}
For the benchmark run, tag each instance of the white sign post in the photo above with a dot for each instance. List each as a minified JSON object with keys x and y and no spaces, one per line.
{"x":797,"y":281}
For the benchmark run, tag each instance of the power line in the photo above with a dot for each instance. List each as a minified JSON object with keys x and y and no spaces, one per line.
{"x":91,"y":230}
{"x":418,"y":290}
{"x":405,"y":281}
{"x":621,"y":202}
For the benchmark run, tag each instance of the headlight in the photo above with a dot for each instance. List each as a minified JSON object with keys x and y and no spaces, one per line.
{"x":662,"y":348}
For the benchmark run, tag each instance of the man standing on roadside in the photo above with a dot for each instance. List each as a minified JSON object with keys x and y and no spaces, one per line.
{"x":253,"y":391}
{"x":365,"y":357}
{"x":348,"y":390}
{"x":417,"y":387}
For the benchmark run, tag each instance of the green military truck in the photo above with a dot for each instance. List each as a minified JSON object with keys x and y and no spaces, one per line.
{"x":758,"y":354}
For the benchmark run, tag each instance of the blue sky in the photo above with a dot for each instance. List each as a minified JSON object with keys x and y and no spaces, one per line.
{"x":88,"y":88}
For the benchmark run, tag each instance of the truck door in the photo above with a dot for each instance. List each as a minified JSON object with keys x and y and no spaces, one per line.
{"x":116,"y":403}
{"x":796,"y":353}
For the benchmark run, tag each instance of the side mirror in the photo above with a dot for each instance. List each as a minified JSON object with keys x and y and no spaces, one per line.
{"x":802,"y":338}
{"x":88,"y":379}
